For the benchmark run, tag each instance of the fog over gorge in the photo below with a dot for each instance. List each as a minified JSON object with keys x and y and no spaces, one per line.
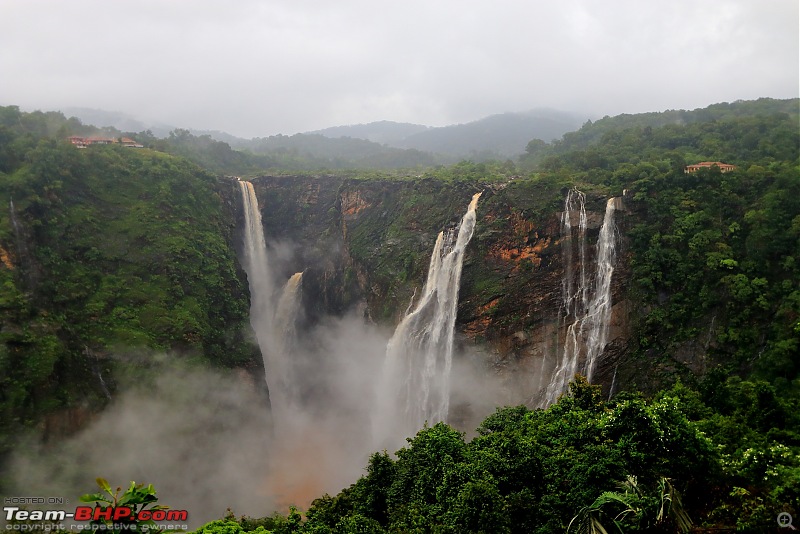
{"x":208,"y":440}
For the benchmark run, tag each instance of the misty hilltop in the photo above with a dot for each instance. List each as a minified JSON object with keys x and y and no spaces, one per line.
{"x":503,"y":135}
{"x":384,"y":132}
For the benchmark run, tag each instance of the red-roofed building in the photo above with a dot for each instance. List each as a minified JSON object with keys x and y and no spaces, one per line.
{"x":723,"y":167}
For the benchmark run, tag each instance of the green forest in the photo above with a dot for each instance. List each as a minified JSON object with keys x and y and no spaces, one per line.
{"x":113,"y":247}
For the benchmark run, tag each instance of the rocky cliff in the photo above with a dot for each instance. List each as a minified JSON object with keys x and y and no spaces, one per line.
{"x":365,"y":246}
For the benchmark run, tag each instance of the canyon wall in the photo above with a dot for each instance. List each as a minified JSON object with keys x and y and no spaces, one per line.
{"x":365,"y":244}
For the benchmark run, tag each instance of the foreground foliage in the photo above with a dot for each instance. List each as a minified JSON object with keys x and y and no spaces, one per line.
{"x":631,"y":464}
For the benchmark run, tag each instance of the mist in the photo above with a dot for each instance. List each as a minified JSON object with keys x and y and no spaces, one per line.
{"x":205,"y":439}
{"x":200,"y":436}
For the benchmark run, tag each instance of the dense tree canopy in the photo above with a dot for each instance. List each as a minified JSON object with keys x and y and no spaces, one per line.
{"x":105,"y":249}
{"x":684,"y":457}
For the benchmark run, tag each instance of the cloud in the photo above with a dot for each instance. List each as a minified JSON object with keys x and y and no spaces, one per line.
{"x":258,"y":68}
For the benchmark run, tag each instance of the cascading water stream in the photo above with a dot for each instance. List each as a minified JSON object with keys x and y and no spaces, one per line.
{"x":287,"y":310}
{"x":599,"y":314}
{"x":19,"y":238}
{"x":613,"y":384}
{"x":13,"y":214}
{"x":282,"y":372}
{"x":587,"y":334}
{"x":258,"y":273}
{"x":273,"y":323}
{"x":416,"y":380}
{"x":574,"y":296}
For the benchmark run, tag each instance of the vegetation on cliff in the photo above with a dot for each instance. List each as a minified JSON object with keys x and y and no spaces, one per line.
{"x":714,"y":255}
{"x":106,"y":251}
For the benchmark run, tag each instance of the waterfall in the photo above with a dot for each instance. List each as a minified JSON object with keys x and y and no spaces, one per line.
{"x":588,"y":318}
{"x":574,"y":296}
{"x":282,"y":373}
{"x":13,"y":212}
{"x":286,"y":312}
{"x":613,"y":384}
{"x":599,"y":314}
{"x":19,"y":238}
{"x":258,"y":274}
{"x":416,"y":380}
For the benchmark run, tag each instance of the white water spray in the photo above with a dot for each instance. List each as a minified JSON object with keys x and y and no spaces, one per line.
{"x":416,"y":382}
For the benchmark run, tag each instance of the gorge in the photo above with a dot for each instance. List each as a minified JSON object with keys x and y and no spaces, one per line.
{"x":521,"y":345}
{"x":132,"y":296}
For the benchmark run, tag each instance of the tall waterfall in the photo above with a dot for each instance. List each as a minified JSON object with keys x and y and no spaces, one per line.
{"x":586,"y":307}
{"x":274,"y":323}
{"x":258,"y":273}
{"x":416,"y":381}
{"x":575,"y":293}
{"x":599,"y":314}
{"x":281,"y":371}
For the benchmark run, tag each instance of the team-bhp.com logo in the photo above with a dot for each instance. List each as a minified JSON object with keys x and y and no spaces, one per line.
{"x":119,"y":514}
{"x":113,"y":511}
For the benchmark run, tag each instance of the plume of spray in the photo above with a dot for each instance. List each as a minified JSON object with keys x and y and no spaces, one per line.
{"x":198,"y":435}
{"x":415,"y":383}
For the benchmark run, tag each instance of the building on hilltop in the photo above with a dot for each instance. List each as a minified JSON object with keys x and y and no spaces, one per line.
{"x":130,"y":143}
{"x":723,"y":167}
{"x":83,"y":142}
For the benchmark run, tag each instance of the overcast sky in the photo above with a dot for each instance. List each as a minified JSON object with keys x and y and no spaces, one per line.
{"x":261,"y":67}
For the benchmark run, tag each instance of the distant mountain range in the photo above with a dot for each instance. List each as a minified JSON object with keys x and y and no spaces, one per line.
{"x":383,"y":132}
{"x":503,"y":135}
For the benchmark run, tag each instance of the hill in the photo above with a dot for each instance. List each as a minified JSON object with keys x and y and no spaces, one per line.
{"x":497,"y":136}
{"x":106,"y":250}
{"x":383,"y":132}
{"x":504,"y":135}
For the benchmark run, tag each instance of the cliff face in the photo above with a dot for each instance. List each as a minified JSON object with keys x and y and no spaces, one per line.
{"x":108,"y":259}
{"x":366,"y":245}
